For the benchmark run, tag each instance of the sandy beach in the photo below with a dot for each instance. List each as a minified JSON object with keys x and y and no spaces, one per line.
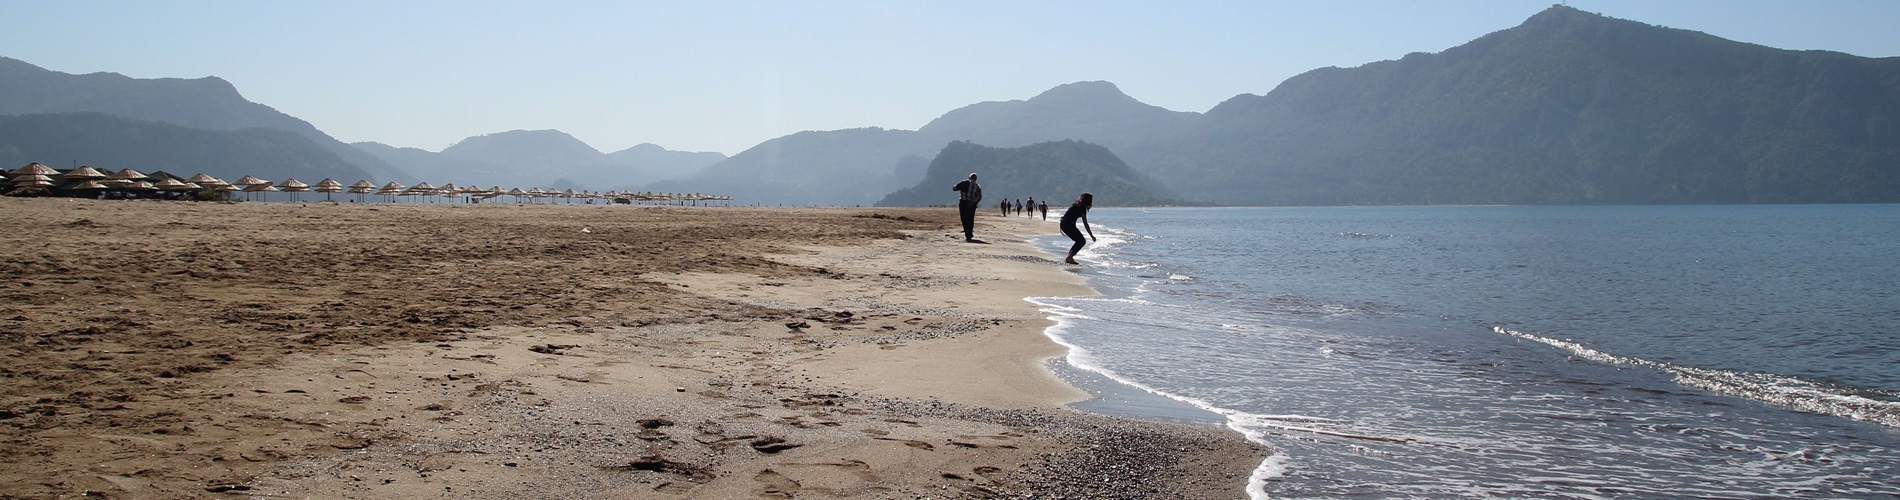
{"x":340,"y":350}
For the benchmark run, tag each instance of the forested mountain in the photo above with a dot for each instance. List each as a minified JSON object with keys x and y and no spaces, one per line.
{"x":108,"y":141}
{"x":206,"y":103}
{"x":1567,"y":108}
{"x":1055,"y":171}
{"x":543,"y":158}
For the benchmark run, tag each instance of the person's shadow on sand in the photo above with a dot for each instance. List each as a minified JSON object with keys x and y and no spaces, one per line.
{"x":977,"y":241}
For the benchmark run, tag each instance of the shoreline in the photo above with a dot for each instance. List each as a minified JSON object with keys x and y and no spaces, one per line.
{"x":283,"y":349}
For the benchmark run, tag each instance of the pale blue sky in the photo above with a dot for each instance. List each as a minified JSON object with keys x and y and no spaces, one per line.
{"x":724,"y":76}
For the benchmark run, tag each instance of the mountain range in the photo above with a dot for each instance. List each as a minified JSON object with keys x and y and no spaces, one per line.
{"x":860,"y":166}
{"x":544,"y":158}
{"x":1567,"y":108}
{"x":208,"y":103}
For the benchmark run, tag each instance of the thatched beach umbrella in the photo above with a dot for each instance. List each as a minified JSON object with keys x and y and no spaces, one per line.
{"x":360,"y":187}
{"x":170,"y":185}
{"x":261,"y":187}
{"x":125,"y":178}
{"x":390,"y":190}
{"x":35,"y":168}
{"x":246,"y":181}
{"x":83,"y":174}
{"x":328,"y":186}
{"x":295,"y":188}
{"x":422,"y":189}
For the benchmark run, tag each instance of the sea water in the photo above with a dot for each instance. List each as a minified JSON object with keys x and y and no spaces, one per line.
{"x":1518,"y":352}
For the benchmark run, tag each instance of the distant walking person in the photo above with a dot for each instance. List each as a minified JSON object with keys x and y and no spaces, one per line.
{"x":1006,"y":207}
{"x":1077,"y":210}
{"x":1032,"y":207}
{"x":968,"y":195}
{"x":1019,"y":206}
{"x":1044,"y":206}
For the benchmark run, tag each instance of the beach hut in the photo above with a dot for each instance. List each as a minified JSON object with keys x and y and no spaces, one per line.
{"x":328,"y":186}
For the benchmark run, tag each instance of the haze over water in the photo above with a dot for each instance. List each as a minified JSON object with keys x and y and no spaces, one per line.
{"x":1579,"y":352}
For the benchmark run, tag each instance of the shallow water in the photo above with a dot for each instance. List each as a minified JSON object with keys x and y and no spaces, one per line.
{"x":1579,"y":352}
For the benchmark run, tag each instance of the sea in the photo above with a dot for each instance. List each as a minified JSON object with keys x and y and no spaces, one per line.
{"x":1507,"y":351}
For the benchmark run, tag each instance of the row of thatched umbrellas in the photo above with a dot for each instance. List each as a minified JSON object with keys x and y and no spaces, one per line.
{"x":35,"y":175}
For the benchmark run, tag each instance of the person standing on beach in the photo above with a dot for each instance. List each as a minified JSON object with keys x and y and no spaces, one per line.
{"x":1045,"y":209}
{"x":968,"y":195}
{"x":1006,"y":207}
{"x":1077,"y":210}
{"x":1032,"y":206}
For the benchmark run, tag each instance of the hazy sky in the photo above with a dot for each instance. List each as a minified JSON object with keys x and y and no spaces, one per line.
{"x":724,"y":76}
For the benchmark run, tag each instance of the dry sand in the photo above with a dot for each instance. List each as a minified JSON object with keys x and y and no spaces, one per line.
{"x":172,"y":349}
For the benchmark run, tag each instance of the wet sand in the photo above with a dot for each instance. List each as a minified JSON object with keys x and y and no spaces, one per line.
{"x":170,"y":349}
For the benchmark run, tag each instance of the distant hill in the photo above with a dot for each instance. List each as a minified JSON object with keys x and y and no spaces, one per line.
{"x":859,"y":166}
{"x":839,"y":167}
{"x":206,"y":103}
{"x":543,"y":158}
{"x":1567,"y":108}
{"x":108,"y":141}
{"x":1054,"y":171}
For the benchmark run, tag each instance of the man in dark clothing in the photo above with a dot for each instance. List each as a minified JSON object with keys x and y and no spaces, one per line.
{"x":968,"y":195}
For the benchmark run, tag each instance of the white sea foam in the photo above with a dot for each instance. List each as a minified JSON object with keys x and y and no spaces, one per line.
{"x":1081,"y":358}
{"x":1776,"y":389}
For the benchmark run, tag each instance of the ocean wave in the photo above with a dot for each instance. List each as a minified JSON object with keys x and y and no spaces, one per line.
{"x":1790,"y":392}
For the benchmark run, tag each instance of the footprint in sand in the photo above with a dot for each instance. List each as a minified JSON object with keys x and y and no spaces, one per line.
{"x":911,"y":443}
{"x":775,"y":485}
